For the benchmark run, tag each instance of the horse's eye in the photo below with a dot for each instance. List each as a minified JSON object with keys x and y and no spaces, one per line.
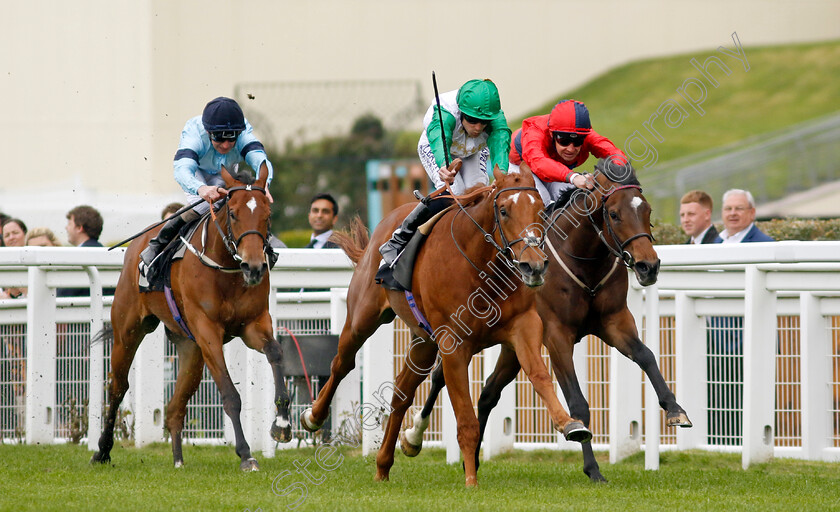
{"x":613,"y":216}
{"x":503,"y":211}
{"x":233,"y":216}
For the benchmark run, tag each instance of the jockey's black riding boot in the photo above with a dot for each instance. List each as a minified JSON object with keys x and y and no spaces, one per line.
{"x":391,"y":249}
{"x":156,"y":244}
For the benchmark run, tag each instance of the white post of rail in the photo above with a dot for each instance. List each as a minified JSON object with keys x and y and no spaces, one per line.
{"x":149,"y":410}
{"x":347,"y":400}
{"x":652,"y":414}
{"x":96,"y":360}
{"x":40,"y":359}
{"x":378,"y":386}
{"x":816,"y":372}
{"x":759,"y":368}
{"x":625,"y":395}
{"x":691,"y":392}
{"x":498,"y":433}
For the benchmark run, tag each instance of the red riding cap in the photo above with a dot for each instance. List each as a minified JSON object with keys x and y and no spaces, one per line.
{"x":570,"y":116}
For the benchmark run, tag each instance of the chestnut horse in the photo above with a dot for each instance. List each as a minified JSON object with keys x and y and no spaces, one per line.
{"x":221,"y":291}
{"x":463,"y":286}
{"x":585,"y":293}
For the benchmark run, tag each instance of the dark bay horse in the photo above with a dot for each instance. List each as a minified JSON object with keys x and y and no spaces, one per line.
{"x":471,"y":299}
{"x":585,"y":293}
{"x":222,"y":295}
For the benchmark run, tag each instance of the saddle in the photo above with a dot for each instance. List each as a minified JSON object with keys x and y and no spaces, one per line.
{"x":399,"y":277}
{"x":157,"y":275}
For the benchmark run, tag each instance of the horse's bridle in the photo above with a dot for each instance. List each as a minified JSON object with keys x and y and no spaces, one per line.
{"x":230,"y":244}
{"x":506,"y":248}
{"x":616,"y":248}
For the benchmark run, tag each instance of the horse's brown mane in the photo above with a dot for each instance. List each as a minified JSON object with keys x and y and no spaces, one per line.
{"x":353,"y":240}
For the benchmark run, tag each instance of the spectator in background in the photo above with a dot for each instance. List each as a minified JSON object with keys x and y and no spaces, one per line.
{"x":724,"y":334}
{"x":170,"y":209}
{"x":42,"y":237}
{"x":84,"y":225}
{"x":696,"y":218}
{"x":14,"y":233}
{"x":323,"y":210}
{"x":3,"y":219}
{"x":739,"y":219}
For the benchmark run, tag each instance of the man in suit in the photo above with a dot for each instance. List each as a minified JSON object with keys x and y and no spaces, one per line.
{"x":84,"y":225}
{"x":724,"y":335}
{"x":323,"y":210}
{"x":696,"y":217}
{"x":739,"y":219}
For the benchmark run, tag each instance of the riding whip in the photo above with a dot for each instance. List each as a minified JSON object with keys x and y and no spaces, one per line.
{"x":440,"y":120}
{"x":153,"y":226}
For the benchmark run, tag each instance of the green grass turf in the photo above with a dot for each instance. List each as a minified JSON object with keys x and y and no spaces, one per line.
{"x":60,"y":478}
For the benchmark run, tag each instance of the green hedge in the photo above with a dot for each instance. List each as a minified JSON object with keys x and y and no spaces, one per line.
{"x":780,"y":229}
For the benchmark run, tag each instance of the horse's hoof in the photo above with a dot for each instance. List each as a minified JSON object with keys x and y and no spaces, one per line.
{"x":678,"y":419}
{"x":281,"y":430}
{"x":471,"y":482}
{"x":577,"y":432}
{"x":179,"y":464}
{"x":249,"y":465}
{"x":410,"y":450}
{"x":381,"y":477}
{"x":307,"y":422}
{"x":100,"y":458}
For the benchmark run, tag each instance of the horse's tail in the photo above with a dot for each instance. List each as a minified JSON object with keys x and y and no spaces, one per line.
{"x":354,"y":240}
{"x":106,"y":335}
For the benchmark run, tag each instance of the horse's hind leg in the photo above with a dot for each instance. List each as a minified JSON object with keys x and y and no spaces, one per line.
{"x":507,"y":367}
{"x":126,"y":341}
{"x":620,"y":332}
{"x":258,"y":336}
{"x":422,"y":355}
{"x":365,"y":314}
{"x":190,"y":370}
{"x":411,"y":441}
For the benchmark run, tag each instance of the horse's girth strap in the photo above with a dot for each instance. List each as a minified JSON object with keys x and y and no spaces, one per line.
{"x":571,"y":274}
{"x":173,"y":308}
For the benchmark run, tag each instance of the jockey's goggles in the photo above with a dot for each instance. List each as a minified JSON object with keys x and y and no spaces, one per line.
{"x":564,"y":139}
{"x":473,"y":120}
{"x":225,"y":136}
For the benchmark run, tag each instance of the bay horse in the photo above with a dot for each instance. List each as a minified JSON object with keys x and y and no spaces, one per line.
{"x":585,"y":293}
{"x":466,"y":296}
{"x":221,"y":291}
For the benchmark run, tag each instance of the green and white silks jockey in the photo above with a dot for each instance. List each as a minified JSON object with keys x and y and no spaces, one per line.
{"x":476,"y":131}
{"x":473,"y":143}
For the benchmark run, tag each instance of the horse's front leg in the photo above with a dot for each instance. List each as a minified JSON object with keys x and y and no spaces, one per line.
{"x":560,"y":340}
{"x":209,"y":338}
{"x":526,"y":338}
{"x":620,"y":332}
{"x":258,"y":336}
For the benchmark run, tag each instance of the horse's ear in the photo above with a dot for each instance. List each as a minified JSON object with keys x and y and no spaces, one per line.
{"x":497,"y":173}
{"x":229,"y":181}
{"x":263,"y":176}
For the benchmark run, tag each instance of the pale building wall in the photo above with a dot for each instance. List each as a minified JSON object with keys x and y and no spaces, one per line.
{"x":95,"y":92}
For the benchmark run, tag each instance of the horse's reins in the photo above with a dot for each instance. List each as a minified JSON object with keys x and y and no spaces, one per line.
{"x":231,"y":245}
{"x":506,"y":247}
{"x":625,"y":256}
{"x":620,"y":254}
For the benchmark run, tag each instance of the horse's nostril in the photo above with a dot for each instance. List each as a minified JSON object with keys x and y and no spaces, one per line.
{"x":642,"y":267}
{"x":526,"y":269}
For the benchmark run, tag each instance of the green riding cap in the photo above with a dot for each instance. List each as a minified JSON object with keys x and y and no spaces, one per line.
{"x":479,"y":99}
